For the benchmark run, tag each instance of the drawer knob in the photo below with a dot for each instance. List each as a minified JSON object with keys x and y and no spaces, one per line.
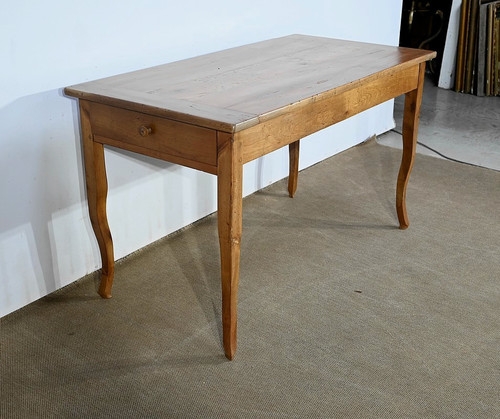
{"x":145,"y":130}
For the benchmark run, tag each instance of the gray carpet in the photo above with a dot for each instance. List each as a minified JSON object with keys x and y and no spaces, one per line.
{"x":340,"y":313}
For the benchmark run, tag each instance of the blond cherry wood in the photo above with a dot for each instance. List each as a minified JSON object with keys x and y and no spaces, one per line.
{"x":229,"y":207}
{"x":293,"y":150}
{"x":411,"y":115}
{"x":178,"y":142}
{"x":218,"y":111}
{"x":97,"y":189}
{"x":301,"y":119}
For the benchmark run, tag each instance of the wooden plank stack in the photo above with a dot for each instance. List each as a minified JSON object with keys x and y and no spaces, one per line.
{"x":478,"y":54}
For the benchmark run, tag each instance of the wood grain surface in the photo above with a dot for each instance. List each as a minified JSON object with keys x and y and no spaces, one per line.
{"x":232,"y":89}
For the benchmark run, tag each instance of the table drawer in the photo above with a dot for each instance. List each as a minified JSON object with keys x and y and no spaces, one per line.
{"x":116,"y":126}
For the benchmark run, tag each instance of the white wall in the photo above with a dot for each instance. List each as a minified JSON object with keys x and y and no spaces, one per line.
{"x":46,"y":240}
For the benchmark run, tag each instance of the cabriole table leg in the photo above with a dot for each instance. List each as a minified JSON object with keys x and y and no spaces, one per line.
{"x":97,"y":189}
{"x":411,"y":115}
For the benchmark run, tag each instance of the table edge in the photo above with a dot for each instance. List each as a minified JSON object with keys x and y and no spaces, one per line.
{"x":243,"y":120}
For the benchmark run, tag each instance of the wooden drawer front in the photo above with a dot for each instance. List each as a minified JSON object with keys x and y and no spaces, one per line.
{"x":153,"y":133}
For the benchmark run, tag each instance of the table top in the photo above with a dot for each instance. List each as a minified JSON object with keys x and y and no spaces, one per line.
{"x":235,"y":89}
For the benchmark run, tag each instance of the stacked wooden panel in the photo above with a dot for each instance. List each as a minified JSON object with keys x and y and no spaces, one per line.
{"x":478,"y":54}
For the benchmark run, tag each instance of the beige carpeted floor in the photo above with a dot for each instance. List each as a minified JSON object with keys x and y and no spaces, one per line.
{"x":340,"y":313}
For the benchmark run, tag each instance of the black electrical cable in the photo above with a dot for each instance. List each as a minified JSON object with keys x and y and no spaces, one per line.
{"x":440,"y":154}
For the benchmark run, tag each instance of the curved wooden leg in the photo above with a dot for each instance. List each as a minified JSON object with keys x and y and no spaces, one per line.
{"x":97,"y":189}
{"x":293,"y":150}
{"x":229,"y":204}
{"x":411,"y":115}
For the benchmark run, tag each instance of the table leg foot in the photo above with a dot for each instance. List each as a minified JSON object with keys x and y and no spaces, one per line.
{"x":97,"y":190}
{"x":293,"y":150}
{"x":230,"y":350}
{"x":411,"y":115}
{"x":229,"y":203}
{"x":105,"y":287}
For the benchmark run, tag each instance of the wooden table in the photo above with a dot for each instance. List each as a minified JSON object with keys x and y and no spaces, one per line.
{"x":219,"y":111}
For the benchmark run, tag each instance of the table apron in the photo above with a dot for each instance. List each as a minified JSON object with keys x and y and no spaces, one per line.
{"x":197,"y":147}
{"x":162,"y":138}
{"x":303,"y":119}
